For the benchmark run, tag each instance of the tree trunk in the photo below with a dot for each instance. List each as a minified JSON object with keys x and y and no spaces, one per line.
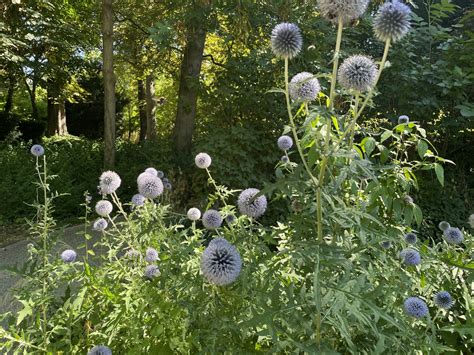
{"x":11,"y":90}
{"x":56,"y":113}
{"x":32,"y":93}
{"x":142,"y":109}
{"x":109,"y":84}
{"x":150,"y":108}
{"x":188,"y":87}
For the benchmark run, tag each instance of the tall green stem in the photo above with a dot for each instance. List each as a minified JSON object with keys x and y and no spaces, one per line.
{"x":335,"y":63}
{"x":354,"y":120}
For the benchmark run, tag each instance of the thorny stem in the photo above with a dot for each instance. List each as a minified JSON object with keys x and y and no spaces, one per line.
{"x":353,"y":123}
{"x":213,"y":182}
{"x":335,"y":63}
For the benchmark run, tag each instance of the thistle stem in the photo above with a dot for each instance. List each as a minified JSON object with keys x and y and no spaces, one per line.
{"x":335,"y":63}
{"x":213,"y":182}
{"x":354,"y":120}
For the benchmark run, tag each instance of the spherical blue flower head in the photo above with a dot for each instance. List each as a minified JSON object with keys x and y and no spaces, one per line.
{"x":68,"y":256}
{"x":151,"y":255}
{"x":168,"y":186}
{"x":103,"y":208}
{"x":151,"y":271}
{"x":404,"y":119}
{"x":443,"y":300}
{"x":304,"y":87}
{"x":212,"y":219}
{"x":284,"y":159}
{"x":150,"y":186}
{"x":357,"y":72}
{"x":203,"y":160}
{"x":37,"y":150}
{"x":109,"y":182}
{"x":151,"y":171}
{"x":165,"y":180}
{"x":133,"y":254}
{"x":100,"y":350}
{"x":230,"y":219}
{"x":100,"y":224}
{"x":386,"y":244}
{"x":138,"y":200}
{"x":416,"y":307}
{"x":251,"y":206}
{"x":286,"y":40}
{"x":410,"y":238}
{"x":160,"y":174}
{"x":285,"y":142}
{"x":220,"y":262}
{"x":392,"y":21}
{"x":443,"y":225}
{"x":410,"y":257}
{"x":194,"y":214}
{"x":453,"y":235}
{"x":348,"y":10}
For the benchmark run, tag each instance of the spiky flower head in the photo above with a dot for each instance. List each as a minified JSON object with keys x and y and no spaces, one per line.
{"x":212,"y":219}
{"x":286,"y":40}
{"x":203,"y":160}
{"x":100,"y":224}
{"x":453,"y":235}
{"x":165,"y":180}
{"x":357,"y":72}
{"x":151,"y":255}
{"x":194,"y":214}
{"x":151,"y":171}
{"x":410,"y":257}
{"x":68,"y":256}
{"x":284,"y":159}
{"x":348,"y":10}
{"x":133,"y":254}
{"x":220,"y":262}
{"x":251,"y":206}
{"x":285,"y":142}
{"x":109,"y":182}
{"x":151,"y":271}
{"x":443,"y":225}
{"x":304,"y":87}
{"x":392,"y":21}
{"x":150,"y":186}
{"x":168,"y":185}
{"x":229,"y":219}
{"x":37,"y":150}
{"x":100,"y":350}
{"x":103,"y":208}
{"x":416,"y":307}
{"x":404,"y":119}
{"x":443,"y":300}
{"x":386,"y":244}
{"x":142,"y":176}
{"x":411,"y":238}
{"x":160,"y":174}
{"x":138,"y":200}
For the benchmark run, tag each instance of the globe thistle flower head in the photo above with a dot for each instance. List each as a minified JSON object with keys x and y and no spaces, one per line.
{"x":404,"y":119}
{"x":410,"y":257}
{"x":138,"y":200}
{"x":284,"y":159}
{"x":203,"y":160}
{"x":416,"y":307}
{"x":150,"y":186}
{"x":68,"y":256}
{"x":151,"y":171}
{"x":386,"y":244}
{"x":100,"y":224}
{"x":410,"y":238}
{"x":443,"y":300}
{"x":285,"y":143}
{"x":109,"y":182}
{"x":100,"y":350}
{"x":443,"y":225}
{"x":304,"y":87}
{"x":151,"y":255}
{"x":133,"y":254}
{"x":165,"y":180}
{"x":142,"y":176}
{"x":194,"y":214}
{"x":230,"y":219}
{"x":37,"y":150}
{"x":348,"y":10}
{"x":357,"y":72}
{"x":392,"y":21}
{"x":251,"y":206}
{"x":168,"y":186}
{"x":212,"y":219}
{"x":151,"y":271}
{"x":160,"y":174}
{"x":286,"y":40}
{"x":103,"y":208}
{"x":453,"y":235}
{"x":220,"y":262}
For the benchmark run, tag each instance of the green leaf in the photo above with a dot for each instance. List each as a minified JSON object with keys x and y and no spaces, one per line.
{"x":385,"y":135}
{"x":439,"y":170}
{"x":26,"y":311}
{"x":369,"y":145}
{"x":422,"y":148}
{"x":418,"y":214}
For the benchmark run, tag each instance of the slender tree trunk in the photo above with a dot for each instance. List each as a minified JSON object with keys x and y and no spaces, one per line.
{"x":109,"y":84}
{"x":142,"y":109}
{"x":150,"y":108}
{"x":189,"y":86}
{"x":11,"y":90}
{"x":32,"y":93}
{"x":56,"y":113}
